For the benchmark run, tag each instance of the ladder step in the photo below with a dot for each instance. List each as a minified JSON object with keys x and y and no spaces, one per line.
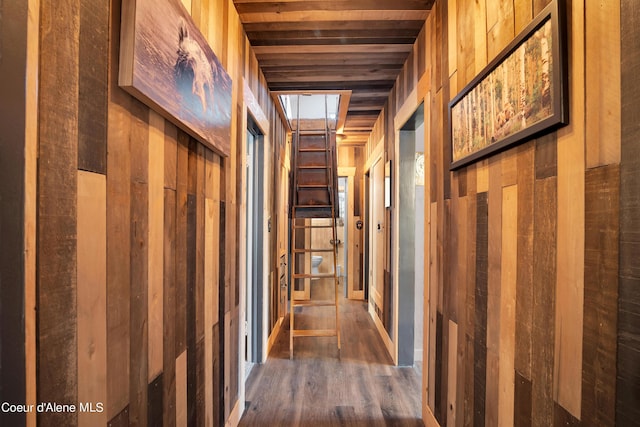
{"x":314,"y":167}
{"x":311,"y":206}
{"x":311,"y":303}
{"x":314,"y":332}
{"x":313,"y":276}
{"x":300,"y":251}
{"x":328,"y":187}
{"x":313,"y":150}
{"x":314,"y":226}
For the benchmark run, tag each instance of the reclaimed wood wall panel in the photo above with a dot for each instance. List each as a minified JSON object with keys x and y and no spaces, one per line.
{"x":602,"y":204}
{"x":480,"y":310}
{"x":152,"y":239}
{"x":542,"y":318}
{"x":571,"y":154}
{"x":544,"y":277}
{"x":169,"y":306}
{"x":602,"y":82}
{"x":118,"y":236}
{"x":524,"y":284}
{"x":57,"y":215}
{"x":182,"y":179}
{"x":494,"y":256}
{"x":508,"y":279}
{"x":155,"y":301}
{"x":139,"y":255}
{"x":92,"y":294}
{"x":628,"y":350}
{"x":93,"y":86}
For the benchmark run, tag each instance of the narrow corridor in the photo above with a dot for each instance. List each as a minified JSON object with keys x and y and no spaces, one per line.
{"x":316,"y":388}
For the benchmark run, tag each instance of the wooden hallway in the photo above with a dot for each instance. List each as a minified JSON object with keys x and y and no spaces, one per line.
{"x":362,"y":388}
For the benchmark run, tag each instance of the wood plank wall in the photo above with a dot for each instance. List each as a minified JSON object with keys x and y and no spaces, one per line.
{"x":15,"y":301}
{"x":526,"y":243}
{"x":137,"y":260}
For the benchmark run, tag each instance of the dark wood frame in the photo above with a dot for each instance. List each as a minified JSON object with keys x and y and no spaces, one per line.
{"x":555,"y":13}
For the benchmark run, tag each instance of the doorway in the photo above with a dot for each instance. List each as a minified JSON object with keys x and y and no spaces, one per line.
{"x":254,"y":247}
{"x":410,"y":254}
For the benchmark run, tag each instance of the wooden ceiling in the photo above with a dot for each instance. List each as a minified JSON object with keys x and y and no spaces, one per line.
{"x":357,"y":45}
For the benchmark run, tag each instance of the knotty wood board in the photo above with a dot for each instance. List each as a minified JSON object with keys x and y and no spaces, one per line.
{"x":627,"y":409}
{"x":524,"y":284}
{"x":544,"y":277}
{"x":602,"y":81}
{"x":139,"y":287}
{"x":93,"y":71}
{"x":57,"y":216}
{"x":139,"y":264}
{"x":480,"y":304}
{"x":118,"y":236}
{"x":508,"y":278}
{"x":92,"y":294}
{"x":169,"y":309}
{"x":602,"y":204}
{"x":571,"y":221}
{"x":155,"y":244}
{"x":494,"y":254}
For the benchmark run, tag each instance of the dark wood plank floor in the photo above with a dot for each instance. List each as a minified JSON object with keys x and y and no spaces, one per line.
{"x":360,"y":388}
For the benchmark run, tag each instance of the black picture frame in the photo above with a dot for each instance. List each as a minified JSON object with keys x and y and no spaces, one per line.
{"x":501,"y":108}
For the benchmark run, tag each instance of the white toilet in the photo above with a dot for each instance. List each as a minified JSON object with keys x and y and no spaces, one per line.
{"x":316,"y":260}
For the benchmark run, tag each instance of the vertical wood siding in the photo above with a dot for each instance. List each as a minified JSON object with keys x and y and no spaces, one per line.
{"x":138,"y":292}
{"x":525,"y":323}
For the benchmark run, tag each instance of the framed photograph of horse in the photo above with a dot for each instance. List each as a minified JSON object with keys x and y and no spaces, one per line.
{"x":521,"y":94}
{"x":166,"y":63}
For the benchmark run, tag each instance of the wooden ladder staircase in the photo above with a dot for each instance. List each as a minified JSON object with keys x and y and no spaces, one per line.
{"x":315,"y":195}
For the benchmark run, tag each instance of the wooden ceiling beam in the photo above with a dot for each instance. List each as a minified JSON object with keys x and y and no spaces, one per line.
{"x":335,"y":6}
{"x":353,"y":48}
{"x":340,"y":15}
{"x":381,"y":25}
{"x":310,"y":41}
{"x":395,"y":59}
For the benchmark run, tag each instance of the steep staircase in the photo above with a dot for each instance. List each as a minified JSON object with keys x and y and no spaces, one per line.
{"x":314,"y":195}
